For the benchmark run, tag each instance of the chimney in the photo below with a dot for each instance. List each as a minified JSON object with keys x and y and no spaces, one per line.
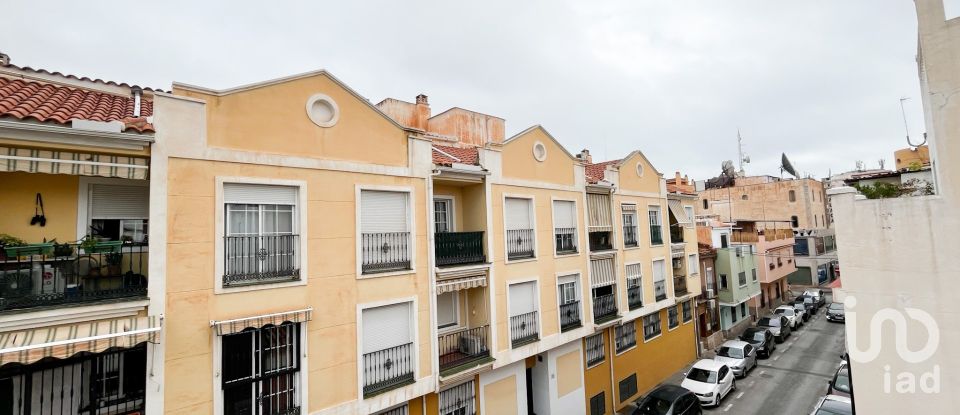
{"x":137,"y":92}
{"x":421,"y":112}
{"x":4,"y":59}
{"x":585,"y":157}
{"x":677,"y":179}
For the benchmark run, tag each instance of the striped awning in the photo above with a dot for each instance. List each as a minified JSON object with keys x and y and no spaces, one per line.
{"x":225,"y":327}
{"x":74,"y":163}
{"x":464,"y":283}
{"x":602,"y":272}
{"x":677,"y":210}
{"x":61,"y":342}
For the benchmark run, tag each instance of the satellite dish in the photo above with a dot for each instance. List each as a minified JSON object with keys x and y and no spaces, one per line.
{"x":785,"y":166}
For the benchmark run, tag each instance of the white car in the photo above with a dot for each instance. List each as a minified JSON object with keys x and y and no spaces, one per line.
{"x":817,"y":295}
{"x":738,"y":355}
{"x":833,"y":405}
{"x":790,"y":314}
{"x":710,"y":381}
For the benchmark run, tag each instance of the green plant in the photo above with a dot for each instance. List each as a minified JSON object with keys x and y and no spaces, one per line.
{"x":11,"y":241}
{"x":113,"y":258}
{"x":88,"y":243}
{"x":879,"y":190}
{"x":63,"y":249}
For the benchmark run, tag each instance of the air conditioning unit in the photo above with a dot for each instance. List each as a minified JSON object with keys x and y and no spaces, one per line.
{"x":710,"y":293}
{"x":677,"y":262}
{"x":471,"y":344}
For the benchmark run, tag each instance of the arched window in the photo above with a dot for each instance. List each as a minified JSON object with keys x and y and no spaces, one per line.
{"x":792,"y":196}
{"x":743,"y":196}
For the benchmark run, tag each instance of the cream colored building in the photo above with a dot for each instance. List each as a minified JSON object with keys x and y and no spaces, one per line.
{"x":768,"y":198}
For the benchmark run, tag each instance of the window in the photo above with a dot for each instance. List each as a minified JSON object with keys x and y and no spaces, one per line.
{"x":447,"y":310}
{"x":523,"y":313}
{"x":689,"y":212}
{"x":656,"y":229}
{"x":672,"y":319}
{"x":723,"y":282}
{"x":659,"y":279}
{"x":602,"y":280}
{"x":567,"y":289}
{"x":754,"y":271}
{"x":458,"y":400}
{"x":630,"y":226}
{"x":742,"y":278}
{"x":816,"y":221}
{"x":743,"y":310}
{"x":706,"y":204}
{"x":565,"y":226}
{"x":634,"y":286}
{"x":724,"y":240}
{"x":744,"y":197}
{"x":628,"y":387}
{"x":387,"y":336}
{"x":384,"y":231}
{"x":568,"y":297}
{"x":519,"y":223}
{"x":600,"y":225}
{"x":687,"y":311}
{"x":261,"y":239}
{"x":539,"y":151}
{"x":443,"y":215}
{"x":260,"y":369}
{"x":598,"y":404}
{"x":400,"y":410}
{"x":801,"y":247}
{"x":119,"y":212}
{"x":595,"y":349}
{"x":795,"y":221}
{"x":626,"y":336}
{"x":792,"y":196}
{"x":693,"y":266}
{"x":651,"y":326}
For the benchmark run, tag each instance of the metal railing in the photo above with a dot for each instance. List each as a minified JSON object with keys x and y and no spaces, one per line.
{"x":458,"y":248}
{"x":634,"y":297}
{"x":604,"y":308}
{"x":595,"y":349}
{"x":519,"y":243}
{"x":566,"y":240}
{"x":660,"y":290}
{"x":253,"y":259}
{"x":630,"y":236}
{"x":680,"y":285}
{"x":601,"y":241}
{"x":387,"y":369}
{"x":570,"y":316}
{"x":676,"y":234}
{"x":49,"y":275}
{"x":105,"y":383}
{"x":524,"y":329}
{"x":656,"y":235}
{"x":384,"y":252}
{"x":462,"y":347}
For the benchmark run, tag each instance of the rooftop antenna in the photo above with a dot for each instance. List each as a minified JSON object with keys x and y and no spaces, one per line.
{"x":744,"y":159}
{"x":906,"y":128}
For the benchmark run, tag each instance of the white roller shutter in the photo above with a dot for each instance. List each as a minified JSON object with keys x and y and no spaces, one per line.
{"x":518,"y":214}
{"x":119,"y":202}
{"x":523,"y":298}
{"x":257,"y":194}
{"x":386,"y":326}
{"x":383,"y":212}
{"x":634,"y":271}
{"x":602,"y":272}
{"x":564,"y":214}
{"x":659,"y":271}
{"x":566,"y":279}
{"x":598,"y":207}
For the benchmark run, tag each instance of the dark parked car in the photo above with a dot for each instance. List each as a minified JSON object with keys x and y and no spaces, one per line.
{"x":778,"y":325}
{"x":803,"y":311}
{"x":840,"y":385}
{"x":807,"y":299}
{"x":809,"y":306}
{"x":760,"y":338}
{"x":835,"y":312}
{"x":668,"y":400}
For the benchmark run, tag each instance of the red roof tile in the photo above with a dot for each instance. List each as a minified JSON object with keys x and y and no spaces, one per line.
{"x":594,"y":172}
{"x":446,"y":155}
{"x":672,"y":188}
{"x":43,"y":102}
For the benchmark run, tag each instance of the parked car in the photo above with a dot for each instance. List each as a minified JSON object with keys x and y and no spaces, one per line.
{"x":833,"y":405}
{"x":817,"y":294}
{"x":807,"y":299}
{"x":809,"y":307}
{"x":778,"y":325}
{"x":761,"y":339}
{"x":791,"y":315}
{"x":710,"y":381}
{"x":802,"y":311}
{"x":738,"y":355}
{"x":835,"y":312}
{"x":840,"y":384}
{"x":668,"y":400}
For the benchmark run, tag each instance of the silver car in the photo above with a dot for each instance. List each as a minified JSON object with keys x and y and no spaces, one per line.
{"x":738,"y":355}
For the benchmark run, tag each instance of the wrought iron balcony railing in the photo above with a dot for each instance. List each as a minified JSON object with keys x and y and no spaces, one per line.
{"x":660,"y":290}
{"x":630,"y":236}
{"x":462,"y":347}
{"x":676,"y":234}
{"x":570,"y":316}
{"x":601,"y":241}
{"x":385,"y":251}
{"x":387,"y":369}
{"x":519,"y":243}
{"x":55,"y":274}
{"x":458,"y":248}
{"x":566,"y":240}
{"x":680,"y":285}
{"x":524,"y":329}
{"x":656,"y":235}
{"x":604,"y":308}
{"x":253,"y":259}
{"x":635,"y":297}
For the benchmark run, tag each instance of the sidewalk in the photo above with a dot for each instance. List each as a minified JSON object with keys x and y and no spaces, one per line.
{"x":673,"y":379}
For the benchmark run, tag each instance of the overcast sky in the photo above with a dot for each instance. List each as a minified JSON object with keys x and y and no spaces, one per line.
{"x":819,"y":80}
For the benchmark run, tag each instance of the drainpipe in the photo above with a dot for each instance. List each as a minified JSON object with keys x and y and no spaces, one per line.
{"x":613,"y":381}
{"x":431,"y":267}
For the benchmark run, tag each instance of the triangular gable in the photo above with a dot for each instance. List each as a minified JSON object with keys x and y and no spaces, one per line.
{"x":643,"y":157}
{"x":546,"y":133}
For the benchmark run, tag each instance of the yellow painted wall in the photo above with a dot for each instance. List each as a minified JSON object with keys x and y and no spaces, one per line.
{"x":18,"y":195}
{"x":441,"y":191}
{"x":519,"y":163}
{"x":273,"y":119}
{"x":501,"y":396}
{"x":631,"y":181}
{"x":645,"y":253}
{"x":474,"y":208}
{"x":568,"y":373}
{"x":597,"y":378}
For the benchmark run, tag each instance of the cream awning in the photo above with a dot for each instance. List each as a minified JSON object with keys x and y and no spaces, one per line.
{"x":602,"y":272}
{"x":225,"y":327}
{"x":74,"y":163}
{"x":598,"y":209}
{"x":678,"y":213}
{"x":61,"y":342}
{"x":461,"y":284}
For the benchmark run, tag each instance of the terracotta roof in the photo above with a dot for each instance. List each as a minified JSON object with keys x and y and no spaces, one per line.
{"x":672,"y":188}
{"x":594,"y":172}
{"x":446,"y":155}
{"x":30,"y":100}
{"x":78,"y":78}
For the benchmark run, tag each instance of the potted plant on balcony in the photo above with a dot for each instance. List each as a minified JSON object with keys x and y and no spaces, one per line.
{"x":113,"y":259}
{"x":62,"y":250}
{"x":8,"y":242}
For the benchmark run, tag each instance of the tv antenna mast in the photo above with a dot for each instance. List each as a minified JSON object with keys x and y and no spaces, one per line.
{"x":744,"y":159}
{"x":906,"y":128}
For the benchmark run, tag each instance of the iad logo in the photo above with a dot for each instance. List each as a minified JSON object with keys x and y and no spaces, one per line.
{"x":906,"y":382}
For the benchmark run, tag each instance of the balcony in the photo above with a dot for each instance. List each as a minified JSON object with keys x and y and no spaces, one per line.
{"x":463,"y":349}
{"x":387,"y":369}
{"x":630,"y":236}
{"x":458,"y":248}
{"x":680,"y":285}
{"x":676,"y":234}
{"x":41,"y":275}
{"x":519,"y":244}
{"x":677,"y":250}
{"x":656,"y":235}
{"x":601,"y":241}
{"x":570,"y":316}
{"x":566,"y":240}
{"x":635,"y":297}
{"x":255,"y":259}
{"x":385,"y":252}
{"x":524,"y":329}
{"x":604,"y":308}
{"x":660,"y":290}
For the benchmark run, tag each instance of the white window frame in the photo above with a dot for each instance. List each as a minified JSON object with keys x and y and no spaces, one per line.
{"x":220,"y":223}
{"x":603,"y":349}
{"x":638,"y":281}
{"x":577,"y":295}
{"x":675,"y":308}
{"x":465,"y":405}
{"x":692,"y":311}
{"x":84,"y":208}
{"x":693,"y":264}
{"x":451,"y":211}
{"x":533,"y":224}
{"x":660,"y":221}
{"x":553,"y":216}
{"x":653,"y":277}
{"x":616,"y":338}
{"x":536,"y":307}
{"x":415,"y":336}
{"x":457,"y":324}
{"x":689,"y":211}
{"x":411,"y":229}
{"x":644,"y":324}
{"x":636,"y":226}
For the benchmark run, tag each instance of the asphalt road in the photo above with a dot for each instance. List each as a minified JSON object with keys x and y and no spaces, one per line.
{"x":795,"y":377}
